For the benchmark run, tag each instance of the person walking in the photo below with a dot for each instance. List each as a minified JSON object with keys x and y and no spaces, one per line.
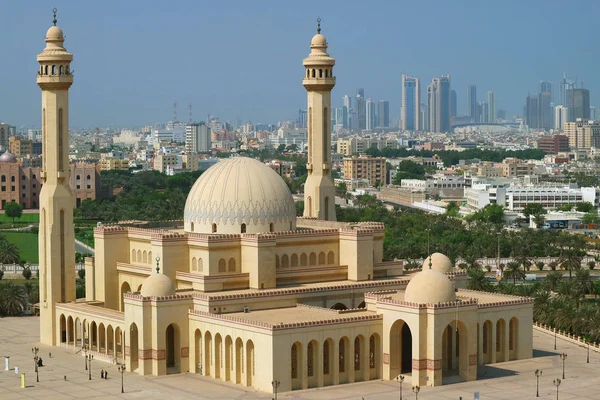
{"x":105,"y":374}
{"x":102,"y":374}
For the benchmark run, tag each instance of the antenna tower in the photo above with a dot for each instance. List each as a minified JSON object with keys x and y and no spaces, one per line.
{"x":190,"y":111}
{"x":174,"y":111}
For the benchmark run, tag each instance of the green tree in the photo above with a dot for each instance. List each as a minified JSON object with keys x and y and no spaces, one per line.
{"x":9,"y":253}
{"x":492,"y":213}
{"x":591,"y":217}
{"x":584,"y":206}
{"x":12,"y":299}
{"x":408,"y":170}
{"x":299,"y":208}
{"x":537,"y":211}
{"x":81,"y":273}
{"x":452,"y":209}
{"x":13,"y":210}
{"x":26,"y":273}
{"x":565,"y":207}
{"x":513,"y":271}
{"x":281,"y":148}
{"x":477,"y":280}
{"x":583,"y":282}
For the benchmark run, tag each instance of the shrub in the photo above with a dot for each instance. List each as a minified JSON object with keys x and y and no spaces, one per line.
{"x":553,"y":265}
{"x":488,"y":268}
{"x":1,"y":274}
{"x":27,"y":273}
{"x":462,"y":265}
{"x":81,"y":273}
{"x":35,"y":229}
{"x":539,"y":265}
{"x":591,"y":265}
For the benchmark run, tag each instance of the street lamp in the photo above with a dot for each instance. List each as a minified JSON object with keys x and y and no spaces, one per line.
{"x":400,"y":379}
{"x":563,"y":357}
{"x":275,"y":385}
{"x":121,"y":369}
{"x":90,"y":357}
{"x":554,"y":338}
{"x":35,"y":350}
{"x":538,"y":373}
{"x":416,"y":390}
{"x":557,"y":384}
{"x":84,"y":348}
{"x":588,"y":353}
{"x":498,"y":259}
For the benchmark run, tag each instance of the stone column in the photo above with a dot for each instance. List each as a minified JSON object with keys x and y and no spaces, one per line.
{"x":506,"y":341}
{"x":304,"y":366}
{"x":335,"y":367}
{"x":480,"y":345}
{"x":493,"y":334}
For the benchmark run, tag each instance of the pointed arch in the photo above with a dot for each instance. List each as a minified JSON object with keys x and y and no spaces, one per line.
{"x":285,"y":261}
{"x":330,"y":258}
{"x":313,"y":259}
{"x":250,"y":361}
{"x":294,"y":260}
{"x":222,"y":265}
{"x":303,"y":260}
{"x":231,"y":265}
{"x":322,"y":258}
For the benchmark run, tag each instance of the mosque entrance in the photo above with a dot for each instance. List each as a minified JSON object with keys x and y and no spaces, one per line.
{"x":170,"y":347}
{"x":133,"y":345}
{"x":400,"y":349}
{"x":455,"y":360}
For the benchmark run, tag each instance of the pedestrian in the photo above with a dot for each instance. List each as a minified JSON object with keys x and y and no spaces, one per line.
{"x":102,"y":374}
{"x":106,"y":375}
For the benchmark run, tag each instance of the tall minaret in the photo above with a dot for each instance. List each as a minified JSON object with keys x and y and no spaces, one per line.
{"x":319,"y":190}
{"x":56,"y":236}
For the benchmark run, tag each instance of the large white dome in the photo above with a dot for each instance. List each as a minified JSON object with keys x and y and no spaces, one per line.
{"x":430,"y":287}
{"x":239,"y":195}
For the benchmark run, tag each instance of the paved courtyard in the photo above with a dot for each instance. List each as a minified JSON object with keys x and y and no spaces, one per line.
{"x":513,"y":380}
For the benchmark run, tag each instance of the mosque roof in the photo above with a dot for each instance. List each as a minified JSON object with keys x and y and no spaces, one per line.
{"x":430,"y":287}
{"x":439,"y":262}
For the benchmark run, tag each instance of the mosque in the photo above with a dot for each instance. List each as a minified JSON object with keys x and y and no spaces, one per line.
{"x":244,"y":291}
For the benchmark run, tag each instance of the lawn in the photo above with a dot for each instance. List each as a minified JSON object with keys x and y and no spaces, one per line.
{"x":25,"y":218}
{"x":27,"y":244}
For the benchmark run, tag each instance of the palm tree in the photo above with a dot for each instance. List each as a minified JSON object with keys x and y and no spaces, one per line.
{"x":12,"y":299}
{"x":514,"y":271}
{"x":541,"y":306}
{"x":552,"y":279}
{"x":31,"y":291}
{"x":477,"y":280}
{"x":539,"y":265}
{"x":9,"y":253}
{"x":583,"y":282}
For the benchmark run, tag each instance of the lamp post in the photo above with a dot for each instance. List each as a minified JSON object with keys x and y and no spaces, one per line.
{"x":275,"y":385}
{"x":35,"y":350}
{"x":563,"y":357}
{"x":428,"y":252}
{"x":557,"y":384}
{"x":554,"y":338}
{"x":400,"y":379}
{"x":84,"y":348}
{"x":498,"y":254}
{"x":90,"y":357}
{"x":538,"y":373}
{"x":416,"y":390}
{"x":121,"y":369}
{"x":588,"y":353}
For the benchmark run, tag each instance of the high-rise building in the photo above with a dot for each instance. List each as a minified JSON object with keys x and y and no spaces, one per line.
{"x":554,"y":144}
{"x":319,"y":189}
{"x":361,"y":109}
{"x":347,"y":110}
{"x":452,"y":103}
{"x":371,"y":116}
{"x":411,"y":104}
{"x":561,"y":115}
{"x":583,"y":134}
{"x":491,"y":107}
{"x":593,"y":113}
{"x":566,"y":84}
{"x":383,"y":114}
{"x":472,"y":109}
{"x":545,"y":117}
{"x":578,"y":102}
{"x":483,"y":111}
{"x":532,"y":111}
{"x":301,"y":118}
{"x":56,"y":233}
{"x":438,"y":98}
{"x":546,"y":87}
{"x":198,"y":138}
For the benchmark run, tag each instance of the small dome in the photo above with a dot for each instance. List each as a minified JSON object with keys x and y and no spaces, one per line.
{"x":318,"y":41}
{"x":239,"y":195}
{"x":157,"y":285}
{"x":429,"y":287}
{"x":55,"y":33}
{"x":8,"y":157}
{"x":439,"y":262}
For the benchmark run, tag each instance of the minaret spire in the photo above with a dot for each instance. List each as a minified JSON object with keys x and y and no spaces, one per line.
{"x":54,"y":20}
{"x":318,"y":23}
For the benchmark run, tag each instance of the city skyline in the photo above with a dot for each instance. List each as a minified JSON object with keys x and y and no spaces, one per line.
{"x":221,"y":73}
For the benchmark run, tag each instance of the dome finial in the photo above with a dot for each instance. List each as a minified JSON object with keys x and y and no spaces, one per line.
{"x":318,"y":24}
{"x":54,"y":20}
{"x":157,"y":267}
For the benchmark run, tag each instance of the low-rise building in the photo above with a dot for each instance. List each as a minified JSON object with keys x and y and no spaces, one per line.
{"x":113,"y":163}
{"x":554,"y":144}
{"x":371,"y":168}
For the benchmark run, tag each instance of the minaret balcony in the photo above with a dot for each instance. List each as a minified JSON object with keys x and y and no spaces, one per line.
{"x":54,"y":81}
{"x":318,"y":83}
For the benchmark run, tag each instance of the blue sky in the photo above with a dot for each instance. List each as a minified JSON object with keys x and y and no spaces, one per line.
{"x":243,"y":59}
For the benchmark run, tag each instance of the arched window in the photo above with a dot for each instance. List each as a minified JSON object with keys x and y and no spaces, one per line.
{"x":357,"y":353}
{"x":271,"y":227}
{"x":222,"y":265}
{"x":294,"y":361}
{"x":133,"y":255}
{"x":313,"y":259}
{"x":342,"y":360}
{"x":310,"y":367}
{"x":284,"y":261}
{"x":139,"y":256}
{"x":276,"y":261}
{"x":33,"y":176}
{"x":320,"y":73}
{"x":192,"y":227}
{"x":61,"y":70}
{"x":330,"y":258}
{"x":46,"y":70}
{"x":303,"y":260}
{"x":54,"y":70}
{"x":231,"y":265}
{"x":41,"y":69}
{"x":243,"y":228}
{"x":313,"y":73}
{"x":372,"y":351}
{"x":12,"y":178}
{"x":200,"y":265}
{"x":326,"y":73}
{"x":321,"y":258}
{"x":3,"y":178}
{"x":88,"y":177}
{"x":214,"y":228}
{"x":145,"y":257}
{"x":308,"y":73}
{"x":294,"y":260}
{"x":149,"y":257}
{"x":194,"y":264}
{"x":78,"y":177}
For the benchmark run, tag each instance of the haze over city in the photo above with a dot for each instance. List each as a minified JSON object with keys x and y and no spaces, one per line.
{"x":241,"y":60}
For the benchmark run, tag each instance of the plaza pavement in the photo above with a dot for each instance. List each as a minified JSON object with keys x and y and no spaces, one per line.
{"x":513,"y":380}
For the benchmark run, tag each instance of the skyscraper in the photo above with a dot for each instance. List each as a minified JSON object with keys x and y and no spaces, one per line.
{"x":319,"y":189}
{"x":452,"y":103}
{"x":438,"y":99}
{"x":566,"y":84}
{"x":361,"y":109}
{"x":371,"y":117}
{"x":472,"y":109}
{"x":383,"y":114}
{"x":301,"y":118}
{"x":411,"y":103}
{"x":545,"y":117}
{"x":198,"y":138}
{"x":483,"y":111}
{"x":546,"y":87}
{"x":578,"y":102}
{"x":561,"y":116}
{"x":491,"y":107}
{"x":347,"y":107}
{"x":532,"y":111}
{"x":56,"y":231}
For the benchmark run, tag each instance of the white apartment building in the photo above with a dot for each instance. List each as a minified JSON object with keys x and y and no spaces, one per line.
{"x":198,"y":138}
{"x":583,"y":134}
{"x":356,"y":145}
